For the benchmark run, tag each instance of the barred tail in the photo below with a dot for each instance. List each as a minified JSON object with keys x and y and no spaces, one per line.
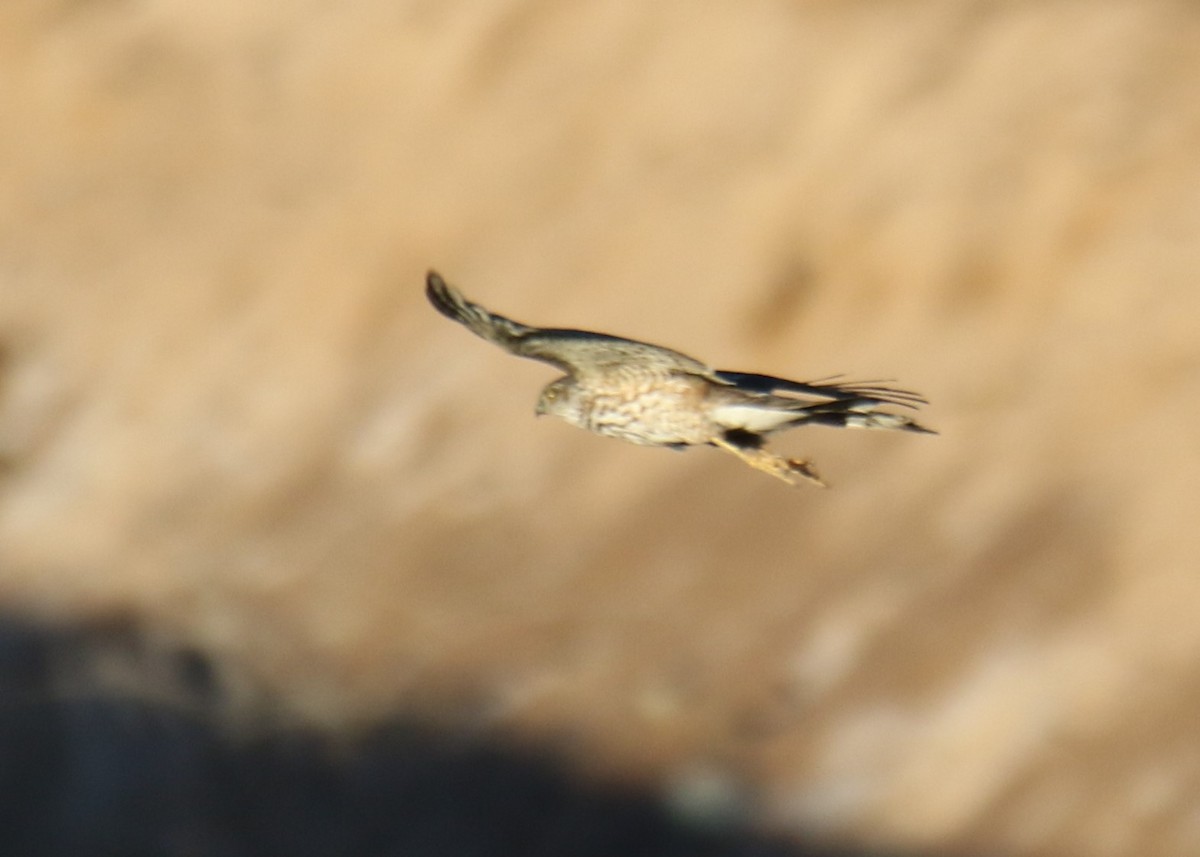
{"x":449,"y":302}
{"x":858,"y":414}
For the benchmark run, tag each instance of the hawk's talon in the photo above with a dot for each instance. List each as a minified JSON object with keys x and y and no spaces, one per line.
{"x":783,"y":469}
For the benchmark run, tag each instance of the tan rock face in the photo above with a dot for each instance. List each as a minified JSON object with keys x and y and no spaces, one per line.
{"x":226,"y":409}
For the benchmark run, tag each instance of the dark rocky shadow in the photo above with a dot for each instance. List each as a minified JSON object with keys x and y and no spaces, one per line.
{"x":92,"y":763}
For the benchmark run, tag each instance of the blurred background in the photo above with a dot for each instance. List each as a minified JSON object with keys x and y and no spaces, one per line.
{"x":231,"y":426}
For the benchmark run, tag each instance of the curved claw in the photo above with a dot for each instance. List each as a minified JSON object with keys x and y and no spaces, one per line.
{"x":805,"y":468}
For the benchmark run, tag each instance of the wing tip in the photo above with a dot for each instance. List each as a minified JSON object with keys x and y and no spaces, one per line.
{"x":444,"y":297}
{"x":435,"y":286}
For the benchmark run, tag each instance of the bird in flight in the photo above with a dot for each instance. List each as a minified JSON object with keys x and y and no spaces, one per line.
{"x":654,"y":396}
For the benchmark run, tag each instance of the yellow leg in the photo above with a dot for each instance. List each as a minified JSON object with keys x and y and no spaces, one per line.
{"x":787,"y":469}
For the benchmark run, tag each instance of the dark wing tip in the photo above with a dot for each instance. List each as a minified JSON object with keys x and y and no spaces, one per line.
{"x":435,"y":286}
{"x":442,"y":295}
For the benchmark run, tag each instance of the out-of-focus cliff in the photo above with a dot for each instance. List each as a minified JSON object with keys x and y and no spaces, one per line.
{"x":227,"y":411}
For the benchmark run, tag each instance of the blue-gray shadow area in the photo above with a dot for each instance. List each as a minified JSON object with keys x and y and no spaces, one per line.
{"x":91,"y":767}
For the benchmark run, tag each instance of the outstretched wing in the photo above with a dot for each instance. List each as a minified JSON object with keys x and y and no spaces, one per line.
{"x":494,"y":328}
{"x":826,"y":388}
{"x":579,"y":352}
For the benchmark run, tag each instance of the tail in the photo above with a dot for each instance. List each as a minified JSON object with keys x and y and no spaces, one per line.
{"x":449,"y":302}
{"x":852,"y":404}
{"x":827,"y":388}
{"x":857,"y":413}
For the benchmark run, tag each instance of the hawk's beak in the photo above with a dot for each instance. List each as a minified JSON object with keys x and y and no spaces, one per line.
{"x":540,"y":410}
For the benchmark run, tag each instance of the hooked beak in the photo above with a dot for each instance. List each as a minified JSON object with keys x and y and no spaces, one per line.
{"x":540,"y":410}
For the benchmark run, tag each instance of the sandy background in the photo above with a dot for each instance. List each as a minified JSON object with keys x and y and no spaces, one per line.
{"x":228,"y":415}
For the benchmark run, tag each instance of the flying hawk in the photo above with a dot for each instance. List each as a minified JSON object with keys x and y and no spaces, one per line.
{"x":654,"y":396}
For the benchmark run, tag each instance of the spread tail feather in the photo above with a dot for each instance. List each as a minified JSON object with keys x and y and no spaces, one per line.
{"x":859,"y":413}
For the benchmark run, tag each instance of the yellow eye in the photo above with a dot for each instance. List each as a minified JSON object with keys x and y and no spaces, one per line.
{"x":551,"y":394}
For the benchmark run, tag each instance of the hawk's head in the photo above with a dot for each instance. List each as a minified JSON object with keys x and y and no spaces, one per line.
{"x":561,"y":399}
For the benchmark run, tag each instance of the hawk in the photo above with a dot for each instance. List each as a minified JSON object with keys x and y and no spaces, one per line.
{"x":654,"y":396}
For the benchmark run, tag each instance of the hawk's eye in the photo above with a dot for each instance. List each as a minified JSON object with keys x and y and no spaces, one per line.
{"x":551,"y":394}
